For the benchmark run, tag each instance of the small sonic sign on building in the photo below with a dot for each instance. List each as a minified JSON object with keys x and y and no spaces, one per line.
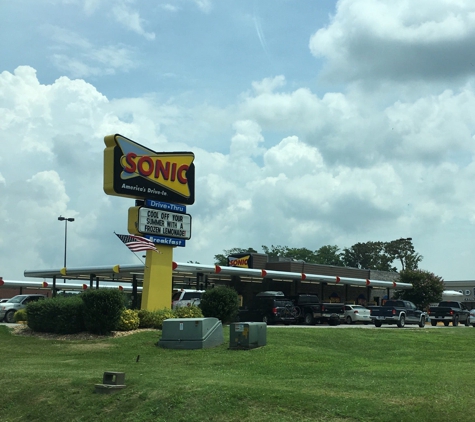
{"x":134,"y":171}
{"x":240,"y":260}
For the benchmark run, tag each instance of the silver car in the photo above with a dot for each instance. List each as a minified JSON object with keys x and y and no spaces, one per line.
{"x":472,"y":317}
{"x":8,"y":309}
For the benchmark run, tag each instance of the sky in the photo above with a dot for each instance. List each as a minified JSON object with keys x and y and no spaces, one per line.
{"x":312,"y":123}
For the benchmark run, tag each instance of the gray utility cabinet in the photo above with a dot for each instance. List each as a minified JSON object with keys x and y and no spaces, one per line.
{"x":247,"y":335}
{"x":191,"y":333}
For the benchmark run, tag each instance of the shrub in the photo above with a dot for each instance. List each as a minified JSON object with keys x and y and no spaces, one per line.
{"x":161,"y":315}
{"x":102,"y":310}
{"x":129,"y":320}
{"x":221,"y":303}
{"x":187,"y":312}
{"x":154,"y":319}
{"x":20,"y":315}
{"x":61,"y":315}
{"x":145,"y":318}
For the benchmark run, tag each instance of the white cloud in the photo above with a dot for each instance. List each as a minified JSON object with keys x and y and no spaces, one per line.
{"x":247,"y":138}
{"x":131,"y":19}
{"x":170,"y":7}
{"x":79,"y":58}
{"x":204,"y":5}
{"x":383,"y":39}
{"x":243,"y":196}
{"x":435,"y":127}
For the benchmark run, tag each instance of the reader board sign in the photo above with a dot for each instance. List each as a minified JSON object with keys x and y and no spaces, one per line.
{"x":134,"y":171}
{"x":160,"y":222}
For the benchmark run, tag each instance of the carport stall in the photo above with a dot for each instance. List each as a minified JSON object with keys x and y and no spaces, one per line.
{"x":125,"y":277}
{"x":292,"y":283}
{"x":247,"y":281}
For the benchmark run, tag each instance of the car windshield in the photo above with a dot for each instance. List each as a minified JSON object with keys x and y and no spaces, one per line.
{"x":176,"y":296}
{"x":16,"y":299}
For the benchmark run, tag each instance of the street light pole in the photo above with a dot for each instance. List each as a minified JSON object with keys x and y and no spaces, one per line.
{"x":61,"y":218}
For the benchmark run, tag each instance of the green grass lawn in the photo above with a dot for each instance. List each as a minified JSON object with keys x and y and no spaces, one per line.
{"x":301,"y":374}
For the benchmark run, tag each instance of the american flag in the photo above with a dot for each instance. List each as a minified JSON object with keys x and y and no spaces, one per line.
{"x":137,"y":243}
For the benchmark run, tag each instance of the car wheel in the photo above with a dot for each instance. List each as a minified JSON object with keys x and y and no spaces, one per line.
{"x":348,"y":320}
{"x":378,"y":323}
{"x":309,"y":319}
{"x":9,"y":317}
{"x":433,"y":323}
{"x":467,"y":322}
{"x":455,"y":322}
{"x":446,"y":323}
{"x":422,"y":322}
{"x":402,"y":322}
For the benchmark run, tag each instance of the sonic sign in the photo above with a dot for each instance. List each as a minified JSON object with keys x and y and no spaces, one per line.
{"x":134,"y":171}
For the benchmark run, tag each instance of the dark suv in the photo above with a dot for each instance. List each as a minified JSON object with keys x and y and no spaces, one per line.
{"x":270,"y":307}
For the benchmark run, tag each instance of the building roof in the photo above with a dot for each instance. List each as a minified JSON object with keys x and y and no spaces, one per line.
{"x":186,"y":272}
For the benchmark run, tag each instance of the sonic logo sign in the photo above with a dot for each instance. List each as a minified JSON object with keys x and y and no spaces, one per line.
{"x":134,"y":171}
{"x":242,"y":261}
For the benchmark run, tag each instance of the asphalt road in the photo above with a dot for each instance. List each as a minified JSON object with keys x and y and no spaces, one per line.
{"x":372,"y":326}
{"x":347,"y":326}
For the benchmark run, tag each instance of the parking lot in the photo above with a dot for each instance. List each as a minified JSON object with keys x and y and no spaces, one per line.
{"x":372,"y":326}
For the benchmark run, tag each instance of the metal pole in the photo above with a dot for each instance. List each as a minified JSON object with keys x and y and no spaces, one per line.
{"x":65,"y":219}
{"x":65,"y":239}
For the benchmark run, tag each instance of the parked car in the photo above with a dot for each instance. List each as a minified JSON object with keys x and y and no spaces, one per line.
{"x":271,"y":307}
{"x":357,"y":313}
{"x":472,"y":317}
{"x":8,"y":309}
{"x":311,"y":311}
{"x":448,"y":312}
{"x":399,"y":312}
{"x":186,"y":297}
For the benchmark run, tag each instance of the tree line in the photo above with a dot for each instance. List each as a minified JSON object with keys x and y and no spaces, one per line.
{"x":381,"y":256}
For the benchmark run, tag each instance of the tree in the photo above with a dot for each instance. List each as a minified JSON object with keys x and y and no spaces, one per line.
{"x":427,"y":287}
{"x":329,"y":255}
{"x":369,"y":255}
{"x":276,"y":251}
{"x":300,"y":254}
{"x":381,"y":255}
{"x":222,"y":259}
{"x":403,"y":251}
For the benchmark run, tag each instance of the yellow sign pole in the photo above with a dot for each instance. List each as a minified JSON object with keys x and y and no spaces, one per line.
{"x":157,"y":283}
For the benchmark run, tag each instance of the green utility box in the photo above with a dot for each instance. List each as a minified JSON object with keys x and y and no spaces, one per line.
{"x":247,"y":335}
{"x":191,"y":333}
